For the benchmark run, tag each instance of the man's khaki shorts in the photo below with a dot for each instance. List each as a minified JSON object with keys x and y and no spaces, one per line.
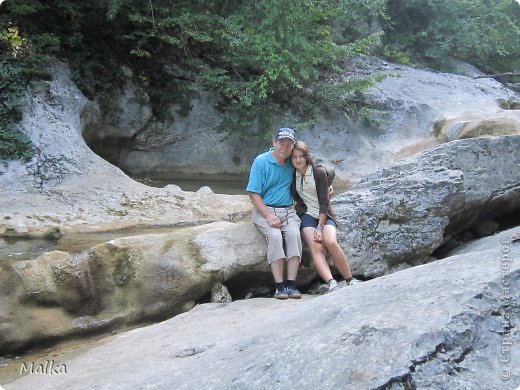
{"x":282,"y":243}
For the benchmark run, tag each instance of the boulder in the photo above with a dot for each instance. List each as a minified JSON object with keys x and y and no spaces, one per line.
{"x":400,"y":215}
{"x":445,"y":325}
{"x":132,"y":280}
{"x":56,"y":279}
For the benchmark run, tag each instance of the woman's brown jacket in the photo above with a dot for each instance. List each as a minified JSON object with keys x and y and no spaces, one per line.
{"x":322,"y":189}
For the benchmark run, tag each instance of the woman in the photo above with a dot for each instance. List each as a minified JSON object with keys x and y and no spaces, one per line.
{"x":310,"y":190}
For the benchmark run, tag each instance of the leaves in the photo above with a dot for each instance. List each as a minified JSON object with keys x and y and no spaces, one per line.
{"x":13,"y":144}
{"x":270,"y":61}
{"x":486,"y":33}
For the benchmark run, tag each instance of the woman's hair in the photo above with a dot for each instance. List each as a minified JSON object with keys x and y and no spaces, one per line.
{"x":302,"y":147}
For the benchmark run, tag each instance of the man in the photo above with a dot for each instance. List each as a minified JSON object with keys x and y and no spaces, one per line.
{"x":269,"y":190}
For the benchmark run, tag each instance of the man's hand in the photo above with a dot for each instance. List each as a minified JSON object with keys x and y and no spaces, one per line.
{"x":274,"y":221}
{"x":259,"y":204}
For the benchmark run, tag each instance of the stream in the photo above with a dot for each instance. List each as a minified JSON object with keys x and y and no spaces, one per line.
{"x":28,"y":249}
{"x":218,"y":186}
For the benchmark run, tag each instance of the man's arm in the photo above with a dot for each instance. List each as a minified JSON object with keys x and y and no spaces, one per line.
{"x":259,"y":204}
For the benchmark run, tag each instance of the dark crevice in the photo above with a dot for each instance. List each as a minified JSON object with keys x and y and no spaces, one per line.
{"x":255,"y":284}
{"x":110,"y":148}
{"x":407,"y":381}
{"x":482,"y":228}
{"x":466,"y":352}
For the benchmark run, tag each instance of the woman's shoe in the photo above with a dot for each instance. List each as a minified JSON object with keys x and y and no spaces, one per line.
{"x":333,"y":285}
{"x":353,"y":281}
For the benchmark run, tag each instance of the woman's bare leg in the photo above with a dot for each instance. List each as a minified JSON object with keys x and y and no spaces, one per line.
{"x":317,"y":253}
{"x":330,"y":241}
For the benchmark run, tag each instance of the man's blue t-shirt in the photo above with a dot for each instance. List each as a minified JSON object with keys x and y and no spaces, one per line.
{"x":270,"y":180}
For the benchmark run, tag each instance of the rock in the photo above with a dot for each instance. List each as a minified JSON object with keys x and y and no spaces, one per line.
{"x":124,"y":116}
{"x":490,"y":127}
{"x":174,"y":147}
{"x":205,"y":190}
{"x":66,"y":187}
{"x":399,"y":216}
{"x":318,"y":288}
{"x":132,"y":280}
{"x":443,"y":325}
{"x":21,"y":232}
{"x":486,"y":228}
{"x":238,"y":252}
{"x":220,"y":294}
{"x":57,"y":279}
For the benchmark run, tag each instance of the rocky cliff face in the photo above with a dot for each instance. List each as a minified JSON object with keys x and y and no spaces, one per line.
{"x":401,"y":214}
{"x":68,"y":187}
{"x":420,"y":108}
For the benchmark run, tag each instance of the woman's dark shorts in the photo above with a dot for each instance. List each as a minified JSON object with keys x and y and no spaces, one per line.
{"x":308,"y":221}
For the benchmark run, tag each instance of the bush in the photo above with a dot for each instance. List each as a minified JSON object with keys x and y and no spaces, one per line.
{"x":485,"y":33}
{"x":263,"y":57}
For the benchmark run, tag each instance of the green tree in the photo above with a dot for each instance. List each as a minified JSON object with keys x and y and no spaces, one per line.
{"x":484,"y":32}
{"x":267,"y":59}
{"x":263,"y":57}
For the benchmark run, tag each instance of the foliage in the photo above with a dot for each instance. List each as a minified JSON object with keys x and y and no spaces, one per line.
{"x":13,"y":144}
{"x":14,"y":73}
{"x":485,"y":33}
{"x":270,"y":61}
{"x":261,"y":56}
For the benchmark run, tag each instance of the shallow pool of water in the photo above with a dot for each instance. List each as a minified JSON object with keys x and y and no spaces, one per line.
{"x":231,"y":187}
{"x":28,"y":249}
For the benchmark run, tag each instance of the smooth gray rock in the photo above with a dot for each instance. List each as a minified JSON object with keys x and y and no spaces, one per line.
{"x":66,"y":186}
{"x":131,"y":280}
{"x":398,"y":216}
{"x":450,"y":324}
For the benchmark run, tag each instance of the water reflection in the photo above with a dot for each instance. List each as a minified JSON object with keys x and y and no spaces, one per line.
{"x":229,"y":187}
{"x":28,"y":249}
{"x":24,"y":249}
{"x":221,"y":186}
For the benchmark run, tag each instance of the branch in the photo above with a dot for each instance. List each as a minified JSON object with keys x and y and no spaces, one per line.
{"x":153,"y":17}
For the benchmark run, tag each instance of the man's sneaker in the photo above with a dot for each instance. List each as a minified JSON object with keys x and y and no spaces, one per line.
{"x":353,"y":281}
{"x":294,"y":293}
{"x":333,"y":285}
{"x":281,"y":293}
